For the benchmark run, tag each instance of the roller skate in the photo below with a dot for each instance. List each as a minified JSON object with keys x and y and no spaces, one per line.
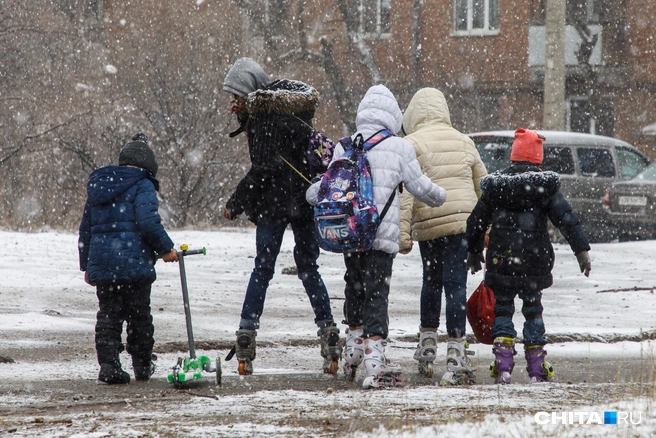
{"x":426,"y":351}
{"x":539,"y":370}
{"x":380,"y":372}
{"x":502,"y":367}
{"x":353,"y":353}
{"x":459,"y":369}
{"x":331,"y":351}
{"x":245,"y":351}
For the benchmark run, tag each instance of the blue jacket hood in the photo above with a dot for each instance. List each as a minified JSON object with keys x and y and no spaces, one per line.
{"x":107,"y":183}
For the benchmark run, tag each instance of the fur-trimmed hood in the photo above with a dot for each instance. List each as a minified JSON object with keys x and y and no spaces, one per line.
{"x":520,"y":186}
{"x":284,"y":96}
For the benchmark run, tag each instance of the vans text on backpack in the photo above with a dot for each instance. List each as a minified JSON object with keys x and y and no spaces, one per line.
{"x":345,"y":216}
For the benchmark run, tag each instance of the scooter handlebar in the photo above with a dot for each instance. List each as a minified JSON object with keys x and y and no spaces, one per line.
{"x":188,"y":252}
{"x":183,"y":251}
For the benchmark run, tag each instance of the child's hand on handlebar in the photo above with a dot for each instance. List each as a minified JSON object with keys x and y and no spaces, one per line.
{"x":171,"y":256}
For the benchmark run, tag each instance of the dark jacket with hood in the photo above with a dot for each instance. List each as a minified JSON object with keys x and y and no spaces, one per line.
{"x":278,"y":127}
{"x":121,"y":231}
{"x":517,"y":202}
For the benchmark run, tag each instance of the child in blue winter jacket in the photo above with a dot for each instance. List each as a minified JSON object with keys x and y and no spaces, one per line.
{"x":119,"y":239}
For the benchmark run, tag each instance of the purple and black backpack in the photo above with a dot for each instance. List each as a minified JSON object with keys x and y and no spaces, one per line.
{"x":345,"y":216}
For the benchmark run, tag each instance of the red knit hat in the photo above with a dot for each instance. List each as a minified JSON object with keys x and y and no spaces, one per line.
{"x":527,"y":146}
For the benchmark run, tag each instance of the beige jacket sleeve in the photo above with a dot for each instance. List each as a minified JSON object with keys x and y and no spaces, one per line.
{"x":407,"y":201}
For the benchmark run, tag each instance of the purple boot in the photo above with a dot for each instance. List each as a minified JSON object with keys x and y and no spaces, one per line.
{"x":539,"y":370}
{"x":502,"y":367}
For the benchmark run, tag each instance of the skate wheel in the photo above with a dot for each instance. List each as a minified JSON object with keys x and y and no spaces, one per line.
{"x":242,"y":369}
{"x":334,"y":367}
{"x":429,"y":370}
{"x":350,"y":375}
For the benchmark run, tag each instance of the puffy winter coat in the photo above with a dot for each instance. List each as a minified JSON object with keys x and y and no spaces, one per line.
{"x":449,"y":159}
{"x":392,"y":162}
{"x":121,"y":231}
{"x":278,"y":128}
{"x":517,"y":203}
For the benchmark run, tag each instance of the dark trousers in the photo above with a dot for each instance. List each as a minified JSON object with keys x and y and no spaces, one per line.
{"x":118,"y":303}
{"x":531,"y":309}
{"x":368,"y":276}
{"x":445,"y":268}
{"x":268,"y":239}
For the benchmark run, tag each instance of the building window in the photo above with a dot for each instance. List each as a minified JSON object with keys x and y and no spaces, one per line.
{"x":476,"y":16}
{"x":375,"y":16}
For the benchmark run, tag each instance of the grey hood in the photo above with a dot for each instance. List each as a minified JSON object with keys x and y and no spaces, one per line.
{"x":244,"y":77}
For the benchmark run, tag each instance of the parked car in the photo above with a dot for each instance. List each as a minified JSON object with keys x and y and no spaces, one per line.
{"x":588,"y":164}
{"x":632,"y":206}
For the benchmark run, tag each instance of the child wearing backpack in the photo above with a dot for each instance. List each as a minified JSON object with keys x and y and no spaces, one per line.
{"x":120,"y":237}
{"x":392,"y":161}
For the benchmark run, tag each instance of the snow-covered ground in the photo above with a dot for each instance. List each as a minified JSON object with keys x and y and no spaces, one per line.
{"x":44,"y":303}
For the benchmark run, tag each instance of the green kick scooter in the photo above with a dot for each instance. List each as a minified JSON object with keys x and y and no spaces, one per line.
{"x":190,"y":369}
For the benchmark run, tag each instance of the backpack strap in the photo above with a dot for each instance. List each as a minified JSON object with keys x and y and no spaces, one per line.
{"x":377,"y":138}
{"x":367,"y":146}
{"x":388,"y":204}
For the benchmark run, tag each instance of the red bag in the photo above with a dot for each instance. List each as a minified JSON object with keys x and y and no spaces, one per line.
{"x":480,"y":313}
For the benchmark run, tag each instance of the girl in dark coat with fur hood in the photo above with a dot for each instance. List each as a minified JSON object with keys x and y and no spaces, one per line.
{"x":517,"y":202}
{"x":277,"y":119}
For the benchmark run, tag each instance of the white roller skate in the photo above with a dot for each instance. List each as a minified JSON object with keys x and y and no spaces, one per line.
{"x":380,"y":372}
{"x":426,"y":352}
{"x":459,"y":369}
{"x":353,"y":353}
{"x":331,"y":351}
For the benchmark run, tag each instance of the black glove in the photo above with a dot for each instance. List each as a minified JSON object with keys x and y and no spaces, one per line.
{"x":584,"y":262}
{"x":475,"y":261}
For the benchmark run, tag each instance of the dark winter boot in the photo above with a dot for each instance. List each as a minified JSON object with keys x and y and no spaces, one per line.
{"x":539,"y":370}
{"x":143,"y":367}
{"x":113,"y":375}
{"x":502,"y":367}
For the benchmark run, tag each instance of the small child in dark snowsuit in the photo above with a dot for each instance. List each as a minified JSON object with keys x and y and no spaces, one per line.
{"x":119,"y":239}
{"x":517,"y":202}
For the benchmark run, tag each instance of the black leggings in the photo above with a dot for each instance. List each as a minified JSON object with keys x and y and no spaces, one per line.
{"x":367,"y":277}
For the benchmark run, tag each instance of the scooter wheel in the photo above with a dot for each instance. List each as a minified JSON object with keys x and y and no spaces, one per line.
{"x":219,"y":373}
